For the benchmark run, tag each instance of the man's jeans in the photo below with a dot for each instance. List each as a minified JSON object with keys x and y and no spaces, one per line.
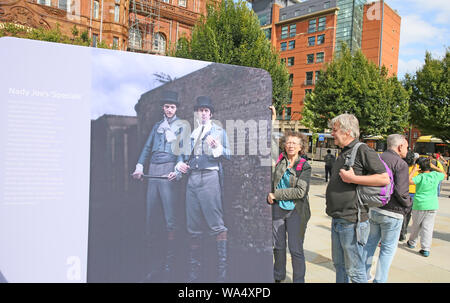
{"x":387,"y":229}
{"x":347,"y":253}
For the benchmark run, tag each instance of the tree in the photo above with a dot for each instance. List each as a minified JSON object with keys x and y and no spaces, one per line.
{"x":430,"y":95}
{"x":230,"y":34}
{"x":352,"y":84}
{"x":51,"y":35}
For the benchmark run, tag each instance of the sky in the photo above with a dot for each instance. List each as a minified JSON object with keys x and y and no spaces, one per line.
{"x":425,"y":26}
{"x":120,"y":78}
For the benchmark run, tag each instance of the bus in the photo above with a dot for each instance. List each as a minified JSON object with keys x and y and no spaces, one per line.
{"x":427,"y":145}
{"x":324,"y":142}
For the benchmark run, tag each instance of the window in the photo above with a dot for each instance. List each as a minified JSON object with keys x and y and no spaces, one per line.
{"x":284,"y":32}
{"x":292,"y":30}
{"x":320,"y":39}
{"x":96,"y":9}
{"x":268,"y":33}
{"x":291,"y":44}
{"x":283,"y":16}
{"x":64,"y":5}
{"x":297,"y":13}
{"x":135,"y":38}
{"x":290,"y":97}
{"x":182,"y":3}
{"x":310,"y":9}
{"x":116,"y":12}
{"x":115,"y":43}
{"x":291,"y":79}
{"x":309,"y":78}
{"x":317,"y":75}
{"x":310,"y":58}
{"x":308,"y":91}
{"x":319,"y":57}
{"x":166,"y":1}
{"x":264,"y":19}
{"x":326,"y":4}
{"x":159,"y":43}
{"x":312,"y":26}
{"x":45,"y":2}
{"x":283,"y":46}
{"x":287,"y":113}
{"x":290,"y":61}
{"x":322,"y":24}
{"x":94,"y":40}
{"x":312,"y":41}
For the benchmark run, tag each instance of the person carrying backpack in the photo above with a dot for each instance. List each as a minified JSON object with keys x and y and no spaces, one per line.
{"x":349,"y":224}
{"x":329,"y":161}
{"x":386,"y":221}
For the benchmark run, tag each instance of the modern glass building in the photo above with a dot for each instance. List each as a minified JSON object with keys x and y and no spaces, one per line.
{"x":350,"y":23}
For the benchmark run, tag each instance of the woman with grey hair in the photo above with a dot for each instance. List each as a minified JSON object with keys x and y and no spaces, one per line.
{"x":290,"y":206}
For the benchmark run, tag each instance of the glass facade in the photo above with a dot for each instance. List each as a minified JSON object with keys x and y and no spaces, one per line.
{"x":349,"y":23}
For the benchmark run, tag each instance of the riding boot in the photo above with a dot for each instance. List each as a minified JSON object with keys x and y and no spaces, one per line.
{"x":221,"y":243}
{"x":168,"y":266}
{"x":194,"y":261}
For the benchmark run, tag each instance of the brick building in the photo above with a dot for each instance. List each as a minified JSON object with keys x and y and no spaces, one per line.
{"x":138,"y":25}
{"x":309,"y":33}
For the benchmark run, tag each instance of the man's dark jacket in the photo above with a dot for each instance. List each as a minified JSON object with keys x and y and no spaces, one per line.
{"x":400,"y":200}
{"x":341,"y":199}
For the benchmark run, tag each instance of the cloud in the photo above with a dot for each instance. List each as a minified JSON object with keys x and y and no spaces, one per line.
{"x":415,"y":30}
{"x":120,"y":78}
{"x":410,"y":66}
{"x":437,"y":11}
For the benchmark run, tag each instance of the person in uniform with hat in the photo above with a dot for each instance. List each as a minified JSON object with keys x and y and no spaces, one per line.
{"x":162,"y":187}
{"x":209,"y":146}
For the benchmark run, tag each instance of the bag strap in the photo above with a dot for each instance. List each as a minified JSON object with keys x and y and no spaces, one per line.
{"x":350,"y":161}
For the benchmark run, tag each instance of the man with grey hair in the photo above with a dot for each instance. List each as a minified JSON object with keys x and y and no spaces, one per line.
{"x":386,"y":222}
{"x":349,"y":232}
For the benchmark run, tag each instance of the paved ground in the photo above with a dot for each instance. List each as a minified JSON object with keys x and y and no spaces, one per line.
{"x":408,"y":265}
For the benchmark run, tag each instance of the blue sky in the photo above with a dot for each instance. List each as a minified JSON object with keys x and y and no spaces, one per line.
{"x":425,"y":26}
{"x":120,"y":78}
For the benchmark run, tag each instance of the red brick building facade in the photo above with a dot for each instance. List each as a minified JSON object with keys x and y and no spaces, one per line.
{"x":139,"y":25}
{"x":307,"y":35}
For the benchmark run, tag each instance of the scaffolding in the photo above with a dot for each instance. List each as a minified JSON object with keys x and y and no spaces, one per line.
{"x":144,"y":21}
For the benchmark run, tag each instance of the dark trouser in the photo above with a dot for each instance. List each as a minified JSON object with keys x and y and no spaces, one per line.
{"x":327,"y":172}
{"x":287,"y":221}
{"x":406,"y":220}
{"x":204,"y":211}
{"x":204,"y":203}
{"x":164,"y":192}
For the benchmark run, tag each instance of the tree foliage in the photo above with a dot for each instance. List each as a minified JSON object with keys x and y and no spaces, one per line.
{"x":430,"y":95}
{"x":50,"y":35}
{"x":352,"y":84}
{"x":230,"y":34}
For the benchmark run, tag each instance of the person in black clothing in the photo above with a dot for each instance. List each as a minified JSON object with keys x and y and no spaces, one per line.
{"x":329,"y":161}
{"x":349,"y":231}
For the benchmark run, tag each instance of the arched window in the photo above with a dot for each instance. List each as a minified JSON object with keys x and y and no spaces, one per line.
{"x":135,"y":38}
{"x":159,"y":43}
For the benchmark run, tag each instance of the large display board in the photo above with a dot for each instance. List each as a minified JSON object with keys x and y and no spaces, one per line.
{"x":73,"y":123}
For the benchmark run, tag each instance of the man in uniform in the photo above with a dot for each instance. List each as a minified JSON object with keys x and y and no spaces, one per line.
{"x":209,"y":145}
{"x":162,"y":187}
